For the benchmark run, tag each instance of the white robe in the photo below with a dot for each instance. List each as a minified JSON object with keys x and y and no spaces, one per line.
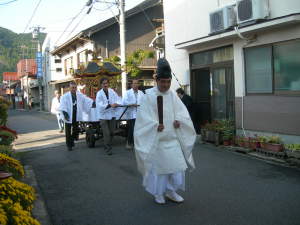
{"x":54,"y":106}
{"x":169,"y":151}
{"x":129,"y":99}
{"x":84,"y":105}
{"x":102,"y":102}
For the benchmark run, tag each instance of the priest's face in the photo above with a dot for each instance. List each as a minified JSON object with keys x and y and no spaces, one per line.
{"x":163,"y":84}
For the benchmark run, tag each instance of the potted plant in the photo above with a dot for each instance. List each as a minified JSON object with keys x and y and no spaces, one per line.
{"x":239,"y":141}
{"x":227,"y":136}
{"x":292,"y":150}
{"x":254,"y":142}
{"x":272,"y":143}
{"x":209,"y":131}
{"x":224,"y":131}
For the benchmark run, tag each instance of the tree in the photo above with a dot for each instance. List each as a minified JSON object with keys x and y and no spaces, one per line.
{"x":133,"y":61}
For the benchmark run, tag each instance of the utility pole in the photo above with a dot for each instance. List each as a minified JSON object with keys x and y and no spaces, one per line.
{"x":36,"y":35}
{"x":122,"y":44}
{"x":121,"y":6}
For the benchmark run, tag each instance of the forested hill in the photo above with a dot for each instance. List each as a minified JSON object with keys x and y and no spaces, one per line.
{"x":14,"y":47}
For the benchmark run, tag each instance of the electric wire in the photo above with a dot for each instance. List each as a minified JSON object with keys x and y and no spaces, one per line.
{"x":6,"y":3}
{"x":69,"y":24}
{"x":76,"y":25}
{"x":104,"y":9}
{"x":34,"y":11}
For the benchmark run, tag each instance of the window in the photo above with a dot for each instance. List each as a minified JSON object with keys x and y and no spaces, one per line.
{"x":258,"y":64}
{"x":287,"y":67}
{"x":58,"y":69}
{"x":68,"y":66}
{"x":201,"y":59}
{"x":57,"y":60}
{"x":273,"y":69}
{"x":82,"y":59}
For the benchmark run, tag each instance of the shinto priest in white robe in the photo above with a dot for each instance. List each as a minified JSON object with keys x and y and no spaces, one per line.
{"x":169,"y":152}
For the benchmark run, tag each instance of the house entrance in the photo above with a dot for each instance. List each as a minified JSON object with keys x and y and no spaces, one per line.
{"x":212,"y":86}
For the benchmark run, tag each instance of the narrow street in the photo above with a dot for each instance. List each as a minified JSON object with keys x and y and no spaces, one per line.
{"x":87,"y":187}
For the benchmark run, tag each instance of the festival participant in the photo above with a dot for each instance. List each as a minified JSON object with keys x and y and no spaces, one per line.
{"x":72,"y":104}
{"x":106,"y":101}
{"x":132,"y":98}
{"x":54,"y":110}
{"x":164,"y":137}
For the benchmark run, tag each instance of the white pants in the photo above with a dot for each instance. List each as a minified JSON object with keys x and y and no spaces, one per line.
{"x":159,"y":184}
{"x":60,"y":122}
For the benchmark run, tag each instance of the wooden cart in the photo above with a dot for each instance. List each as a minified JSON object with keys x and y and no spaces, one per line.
{"x":88,"y":81}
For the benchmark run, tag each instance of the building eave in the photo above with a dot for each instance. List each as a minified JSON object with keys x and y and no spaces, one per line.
{"x":270,"y":24}
{"x":68,"y":43}
{"x":146,"y":4}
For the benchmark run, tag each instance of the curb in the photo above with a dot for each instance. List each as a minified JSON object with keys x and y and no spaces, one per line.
{"x":39,"y":210}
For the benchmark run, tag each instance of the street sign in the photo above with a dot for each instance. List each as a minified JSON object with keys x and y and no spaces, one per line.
{"x":39,"y":64}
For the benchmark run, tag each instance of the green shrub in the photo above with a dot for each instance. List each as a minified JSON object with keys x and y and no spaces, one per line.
{"x":7,"y":150}
{"x":6,"y":137}
{"x":4,"y":104}
{"x":293,"y":147}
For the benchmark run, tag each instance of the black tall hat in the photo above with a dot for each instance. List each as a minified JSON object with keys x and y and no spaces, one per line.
{"x":163,"y":69}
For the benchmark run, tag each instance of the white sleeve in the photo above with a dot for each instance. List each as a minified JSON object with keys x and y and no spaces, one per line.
{"x":63,"y":104}
{"x":87,"y":103}
{"x":100,"y":104}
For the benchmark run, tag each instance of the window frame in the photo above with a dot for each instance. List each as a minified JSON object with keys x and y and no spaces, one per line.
{"x":274,"y":92}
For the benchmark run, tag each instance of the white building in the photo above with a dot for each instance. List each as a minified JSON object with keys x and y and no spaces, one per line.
{"x":247,"y":70}
{"x":59,"y":67}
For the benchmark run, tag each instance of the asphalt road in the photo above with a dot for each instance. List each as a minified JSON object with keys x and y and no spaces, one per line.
{"x":87,"y":187}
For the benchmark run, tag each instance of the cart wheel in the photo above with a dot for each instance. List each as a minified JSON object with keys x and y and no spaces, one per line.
{"x":90,"y":140}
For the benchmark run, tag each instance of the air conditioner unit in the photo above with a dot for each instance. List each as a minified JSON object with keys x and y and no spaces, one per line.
{"x":252,"y":10}
{"x":222,"y":19}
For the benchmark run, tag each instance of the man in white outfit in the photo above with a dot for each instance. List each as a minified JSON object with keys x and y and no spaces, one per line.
{"x":164,"y":137}
{"x":72,"y":105}
{"x":132,"y":98}
{"x":54,"y":110}
{"x":106,"y":102}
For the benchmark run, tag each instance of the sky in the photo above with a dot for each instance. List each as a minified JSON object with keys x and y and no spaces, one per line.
{"x":55,"y":15}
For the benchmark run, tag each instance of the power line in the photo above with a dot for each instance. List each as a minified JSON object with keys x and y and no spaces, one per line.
{"x":105,"y":8}
{"x":69,"y":24}
{"x":77,"y":24}
{"x":6,"y":3}
{"x":32,"y":15}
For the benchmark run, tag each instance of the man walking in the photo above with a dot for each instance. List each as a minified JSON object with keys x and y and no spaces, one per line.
{"x":132,"y":98}
{"x":164,"y":137}
{"x":106,"y":101}
{"x":54,"y":110}
{"x":186,"y":99}
{"x":72,"y":104}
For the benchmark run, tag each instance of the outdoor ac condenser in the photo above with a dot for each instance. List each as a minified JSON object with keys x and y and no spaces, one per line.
{"x":251,"y":10}
{"x":222,"y":19}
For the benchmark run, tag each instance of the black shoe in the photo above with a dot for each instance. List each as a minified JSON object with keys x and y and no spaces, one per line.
{"x":109,"y":152}
{"x":70,"y":149}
